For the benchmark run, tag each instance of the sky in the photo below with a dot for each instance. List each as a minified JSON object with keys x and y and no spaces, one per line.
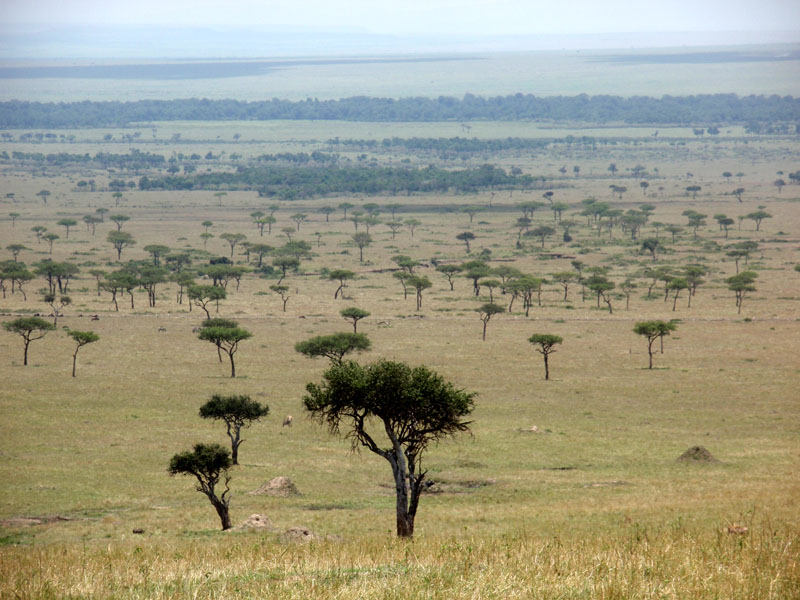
{"x":423,"y":17}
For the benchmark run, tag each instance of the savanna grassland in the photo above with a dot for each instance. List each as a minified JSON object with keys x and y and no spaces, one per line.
{"x":567,"y":488}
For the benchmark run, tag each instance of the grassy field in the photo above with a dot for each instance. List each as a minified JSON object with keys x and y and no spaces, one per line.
{"x":594,"y":505}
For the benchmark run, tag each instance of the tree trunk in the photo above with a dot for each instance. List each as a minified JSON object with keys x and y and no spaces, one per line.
{"x":233,"y":366}
{"x":74,"y":361}
{"x":222,"y":511}
{"x":25,"y":359}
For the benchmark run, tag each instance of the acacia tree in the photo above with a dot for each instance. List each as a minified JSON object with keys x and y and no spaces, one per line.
{"x":414,"y":407}
{"x":740,"y":284}
{"x":466,"y":237}
{"x":238,"y":412}
{"x":233,"y":239}
{"x":449,"y":271}
{"x":354,"y":314}
{"x":653,"y":330}
{"x":56,"y":304}
{"x":120,"y":240}
{"x":420,"y":283}
{"x":362,"y":240}
{"x":546,"y":343}
{"x":208,"y":463}
{"x":487,"y":311}
{"x":67,"y":224}
{"x":283,"y":292}
{"x":81,"y":338}
{"x":334,"y":346}
{"x":203,"y":295}
{"x":30,"y":329}
{"x":342,"y":276}
{"x":225,"y":338}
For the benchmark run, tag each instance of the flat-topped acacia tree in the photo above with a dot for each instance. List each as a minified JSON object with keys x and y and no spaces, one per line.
{"x":225,"y":338}
{"x":414,"y":407}
{"x":237,"y":412}
{"x":546,"y":343}
{"x":208,"y":463}
{"x":81,"y":339}
{"x":30,"y":329}
{"x":354,"y":314}
{"x":334,"y":346}
{"x":653,"y":330}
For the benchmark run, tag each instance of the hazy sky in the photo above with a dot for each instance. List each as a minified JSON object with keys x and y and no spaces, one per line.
{"x":469,"y":17}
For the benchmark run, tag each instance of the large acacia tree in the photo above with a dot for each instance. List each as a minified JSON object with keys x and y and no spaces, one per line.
{"x":208,"y":463}
{"x":412,"y":407}
{"x":238,"y":412}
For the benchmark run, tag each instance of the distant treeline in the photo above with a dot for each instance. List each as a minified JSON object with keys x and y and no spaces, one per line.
{"x":700,"y":109}
{"x":135,"y":160}
{"x":301,"y":182}
{"x":459,"y":145}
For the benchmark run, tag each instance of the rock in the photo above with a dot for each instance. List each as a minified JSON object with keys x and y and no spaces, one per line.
{"x":256,"y":521}
{"x":697,"y":454}
{"x":277,"y":486}
{"x":138,"y":531}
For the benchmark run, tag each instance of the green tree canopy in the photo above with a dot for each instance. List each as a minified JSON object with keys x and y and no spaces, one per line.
{"x":238,"y":412}
{"x":546,"y":343}
{"x":412,"y":407}
{"x":30,"y":329}
{"x":334,"y":346}
{"x":208,"y":463}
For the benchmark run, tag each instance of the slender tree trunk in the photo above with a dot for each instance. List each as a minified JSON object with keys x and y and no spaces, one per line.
{"x":74,"y":360}
{"x":546,"y":366}
{"x":233,"y":366}
{"x":25,"y":359}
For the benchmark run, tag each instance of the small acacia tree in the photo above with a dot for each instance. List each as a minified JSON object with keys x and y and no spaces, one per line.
{"x":413,"y":407}
{"x":225,"y":338}
{"x":203,"y":295}
{"x":30,"y":329}
{"x":653,"y":330}
{"x":238,"y":412}
{"x":334,"y":346}
{"x":354,"y":315}
{"x":81,"y":338}
{"x":342,"y":276}
{"x":546,"y":343}
{"x":487,"y":311}
{"x":283,"y":292}
{"x":208,"y":463}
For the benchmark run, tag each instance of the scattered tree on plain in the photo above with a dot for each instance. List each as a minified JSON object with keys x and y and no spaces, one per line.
{"x":30,"y":329}
{"x":81,"y":338}
{"x":334,"y":346}
{"x":225,"y":338}
{"x":238,"y":412}
{"x":653,"y":330}
{"x":415,"y":407}
{"x":546,"y":343}
{"x":487,"y":311}
{"x":208,"y":463}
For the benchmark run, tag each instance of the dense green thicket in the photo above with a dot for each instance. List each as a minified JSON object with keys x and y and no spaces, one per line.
{"x":700,"y":109}
{"x":297,"y":182}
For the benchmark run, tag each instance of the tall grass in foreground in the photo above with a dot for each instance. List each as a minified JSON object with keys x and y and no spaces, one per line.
{"x":634,"y":562}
